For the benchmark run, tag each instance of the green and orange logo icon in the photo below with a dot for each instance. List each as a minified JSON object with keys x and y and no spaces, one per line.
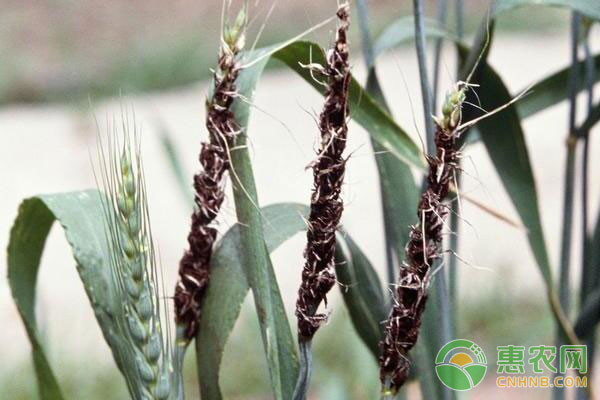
{"x":460,"y":364}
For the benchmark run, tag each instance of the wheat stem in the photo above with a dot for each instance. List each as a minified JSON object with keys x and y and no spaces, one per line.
{"x":442,"y":15}
{"x":422,"y":61}
{"x":566,"y":243}
{"x":460,"y":19}
{"x":454,"y":215}
{"x":301,"y":389}
{"x":587,"y":275}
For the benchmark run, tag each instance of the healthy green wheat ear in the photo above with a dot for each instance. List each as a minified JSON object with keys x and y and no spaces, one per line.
{"x":133,"y":266}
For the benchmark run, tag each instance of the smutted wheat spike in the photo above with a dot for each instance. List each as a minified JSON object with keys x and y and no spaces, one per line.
{"x":318,"y":275}
{"x":194,"y":267}
{"x":422,"y":249}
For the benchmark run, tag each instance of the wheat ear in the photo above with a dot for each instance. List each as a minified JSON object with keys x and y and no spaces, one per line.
{"x":209,"y":183}
{"x":423,"y":248}
{"x":326,"y":206}
{"x":133,"y":264}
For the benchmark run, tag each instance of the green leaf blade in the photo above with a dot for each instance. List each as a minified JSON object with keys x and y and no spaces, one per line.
{"x":590,"y":8}
{"x":504,"y":141}
{"x":552,"y":90}
{"x":399,"y":192}
{"x":229,"y":286}
{"x":81,"y":215}
{"x":278,"y":343}
{"x":403,"y":30}
{"x":27,"y":239}
{"x":362,"y":292}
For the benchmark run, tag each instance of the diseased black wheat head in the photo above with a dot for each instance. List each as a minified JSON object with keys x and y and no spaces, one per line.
{"x":318,"y":274}
{"x":209,"y":183}
{"x":422,"y":249}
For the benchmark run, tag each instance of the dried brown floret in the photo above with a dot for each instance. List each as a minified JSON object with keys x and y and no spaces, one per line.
{"x":422,"y":249}
{"x":318,"y":275}
{"x":209,"y":184}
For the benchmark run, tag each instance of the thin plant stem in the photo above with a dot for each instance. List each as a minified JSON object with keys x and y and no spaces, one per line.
{"x":441,"y":285}
{"x":453,"y":260}
{"x":589,"y":81}
{"x":365,"y":34}
{"x":566,"y":239}
{"x":442,"y":15}
{"x":446,"y":321}
{"x":569,"y":175}
{"x":460,"y":19}
{"x":422,"y":60}
{"x":586,"y":279}
{"x":386,"y":392}
{"x":454,"y":221}
{"x":302,"y":384}
{"x":442,"y":288}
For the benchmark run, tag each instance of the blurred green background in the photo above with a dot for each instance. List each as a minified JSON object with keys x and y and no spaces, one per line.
{"x":344,"y":368}
{"x":69,"y":50}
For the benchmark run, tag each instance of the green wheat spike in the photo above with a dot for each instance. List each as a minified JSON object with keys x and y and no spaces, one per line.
{"x":147,"y":363}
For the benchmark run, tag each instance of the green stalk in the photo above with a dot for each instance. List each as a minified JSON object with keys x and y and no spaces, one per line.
{"x":566,"y":239}
{"x":365,"y":34}
{"x":587,"y":278}
{"x":454,"y":222}
{"x":422,"y":60}
{"x":586,"y":282}
{"x":453,"y":260}
{"x":460,"y":19}
{"x":305,"y":373}
{"x":442,"y":15}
